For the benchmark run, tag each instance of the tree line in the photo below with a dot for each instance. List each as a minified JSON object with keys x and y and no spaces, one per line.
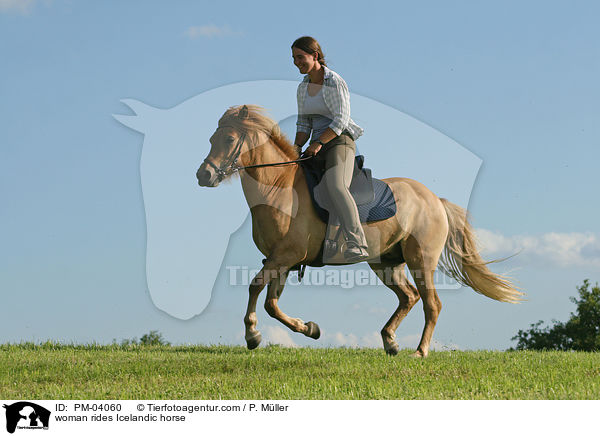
{"x":580,"y":333}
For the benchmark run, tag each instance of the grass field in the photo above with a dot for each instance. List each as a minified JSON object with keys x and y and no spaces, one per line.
{"x":53,"y":371}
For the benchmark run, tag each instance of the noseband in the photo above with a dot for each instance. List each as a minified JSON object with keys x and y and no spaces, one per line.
{"x":230,"y":166}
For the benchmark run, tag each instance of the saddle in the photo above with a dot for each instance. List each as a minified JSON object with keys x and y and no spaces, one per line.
{"x":374,"y":198}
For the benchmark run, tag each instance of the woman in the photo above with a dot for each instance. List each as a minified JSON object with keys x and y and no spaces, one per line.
{"x":324,"y":110}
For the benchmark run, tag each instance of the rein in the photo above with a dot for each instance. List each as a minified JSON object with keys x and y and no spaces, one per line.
{"x":287,"y":162}
{"x":231,"y":165}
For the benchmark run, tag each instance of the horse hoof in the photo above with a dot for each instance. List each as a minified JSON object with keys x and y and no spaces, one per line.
{"x":392,"y":350}
{"x":418,"y":355}
{"x":254,"y":341}
{"x":313,"y":330}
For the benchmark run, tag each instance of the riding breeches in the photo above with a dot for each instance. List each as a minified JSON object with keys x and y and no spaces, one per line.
{"x":338,"y":155}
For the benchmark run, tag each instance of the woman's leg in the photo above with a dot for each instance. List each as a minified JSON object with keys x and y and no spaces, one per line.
{"x":339,"y":166}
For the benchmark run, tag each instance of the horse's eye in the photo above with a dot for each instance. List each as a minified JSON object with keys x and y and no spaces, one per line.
{"x":229,"y":139}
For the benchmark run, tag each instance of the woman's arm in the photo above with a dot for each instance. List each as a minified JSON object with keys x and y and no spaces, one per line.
{"x":301,"y":138}
{"x":304,"y":122}
{"x":327,"y":136}
{"x":337,"y":99}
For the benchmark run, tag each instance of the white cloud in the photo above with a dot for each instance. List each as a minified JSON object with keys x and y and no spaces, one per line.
{"x":209,"y":31}
{"x":559,"y":249}
{"x":339,"y":339}
{"x":20,"y":6}
{"x":372,"y":340}
{"x":278,"y":335}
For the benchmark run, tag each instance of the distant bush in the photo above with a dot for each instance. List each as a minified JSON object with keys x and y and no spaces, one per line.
{"x":581,"y":332}
{"x":152,"y":338}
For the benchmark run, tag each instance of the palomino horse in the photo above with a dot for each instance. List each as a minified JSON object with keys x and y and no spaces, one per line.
{"x":287,"y":230}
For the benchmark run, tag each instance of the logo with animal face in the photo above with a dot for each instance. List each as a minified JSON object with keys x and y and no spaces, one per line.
{"x":26,"y":415}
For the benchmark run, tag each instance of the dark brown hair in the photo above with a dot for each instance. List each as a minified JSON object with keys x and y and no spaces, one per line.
{"x":310,"y":45}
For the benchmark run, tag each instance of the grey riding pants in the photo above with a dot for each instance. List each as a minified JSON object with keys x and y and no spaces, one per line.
{"x":338,"y":155}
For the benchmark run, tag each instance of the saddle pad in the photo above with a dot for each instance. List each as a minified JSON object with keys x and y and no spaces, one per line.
{"x":373,"y":197}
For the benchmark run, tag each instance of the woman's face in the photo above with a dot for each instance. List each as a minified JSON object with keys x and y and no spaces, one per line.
{"x":305,"y":62}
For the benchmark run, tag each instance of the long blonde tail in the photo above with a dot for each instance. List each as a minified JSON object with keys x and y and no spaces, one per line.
{"x":461,"y":259}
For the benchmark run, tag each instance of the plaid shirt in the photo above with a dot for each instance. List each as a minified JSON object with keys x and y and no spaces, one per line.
{"x":337,"y":100}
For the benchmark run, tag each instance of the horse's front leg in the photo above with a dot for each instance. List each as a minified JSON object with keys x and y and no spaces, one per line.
{"x":275,"y":273}
{"x":276,"y":280}
{"x":309,"y":329}
{"x":253,"y":336}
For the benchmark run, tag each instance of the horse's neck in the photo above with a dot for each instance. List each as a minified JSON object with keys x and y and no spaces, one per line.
{"x":272,"y":186}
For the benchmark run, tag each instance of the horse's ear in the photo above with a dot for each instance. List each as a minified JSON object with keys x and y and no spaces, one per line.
{"x":243,"y":114}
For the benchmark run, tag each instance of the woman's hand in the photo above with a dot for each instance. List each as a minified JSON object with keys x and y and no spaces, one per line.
{"x":312,"y":149}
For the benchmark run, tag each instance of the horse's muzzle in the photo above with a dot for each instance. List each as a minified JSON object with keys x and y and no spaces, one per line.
{"x":206,"y":177}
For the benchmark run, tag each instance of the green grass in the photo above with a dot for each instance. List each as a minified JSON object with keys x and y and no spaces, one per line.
{"x":53,"y":371}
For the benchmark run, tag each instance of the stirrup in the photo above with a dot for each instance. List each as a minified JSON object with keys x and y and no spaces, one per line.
{"x":355,"y":253}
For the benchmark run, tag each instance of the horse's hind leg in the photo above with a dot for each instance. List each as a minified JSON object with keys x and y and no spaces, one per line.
{"x":432,"y":306}
{"x":394,"y":277}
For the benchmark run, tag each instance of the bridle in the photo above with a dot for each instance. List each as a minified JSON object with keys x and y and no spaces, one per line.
{"x":230,"y":165}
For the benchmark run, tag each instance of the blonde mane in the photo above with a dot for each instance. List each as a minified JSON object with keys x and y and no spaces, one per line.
{"x":258,"y":121}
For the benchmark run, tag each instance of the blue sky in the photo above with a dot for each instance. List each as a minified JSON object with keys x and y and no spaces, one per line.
{"x":513,"y":83}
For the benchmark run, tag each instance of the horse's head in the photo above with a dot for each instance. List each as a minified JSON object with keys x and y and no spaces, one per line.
{"x":227,"y":143}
